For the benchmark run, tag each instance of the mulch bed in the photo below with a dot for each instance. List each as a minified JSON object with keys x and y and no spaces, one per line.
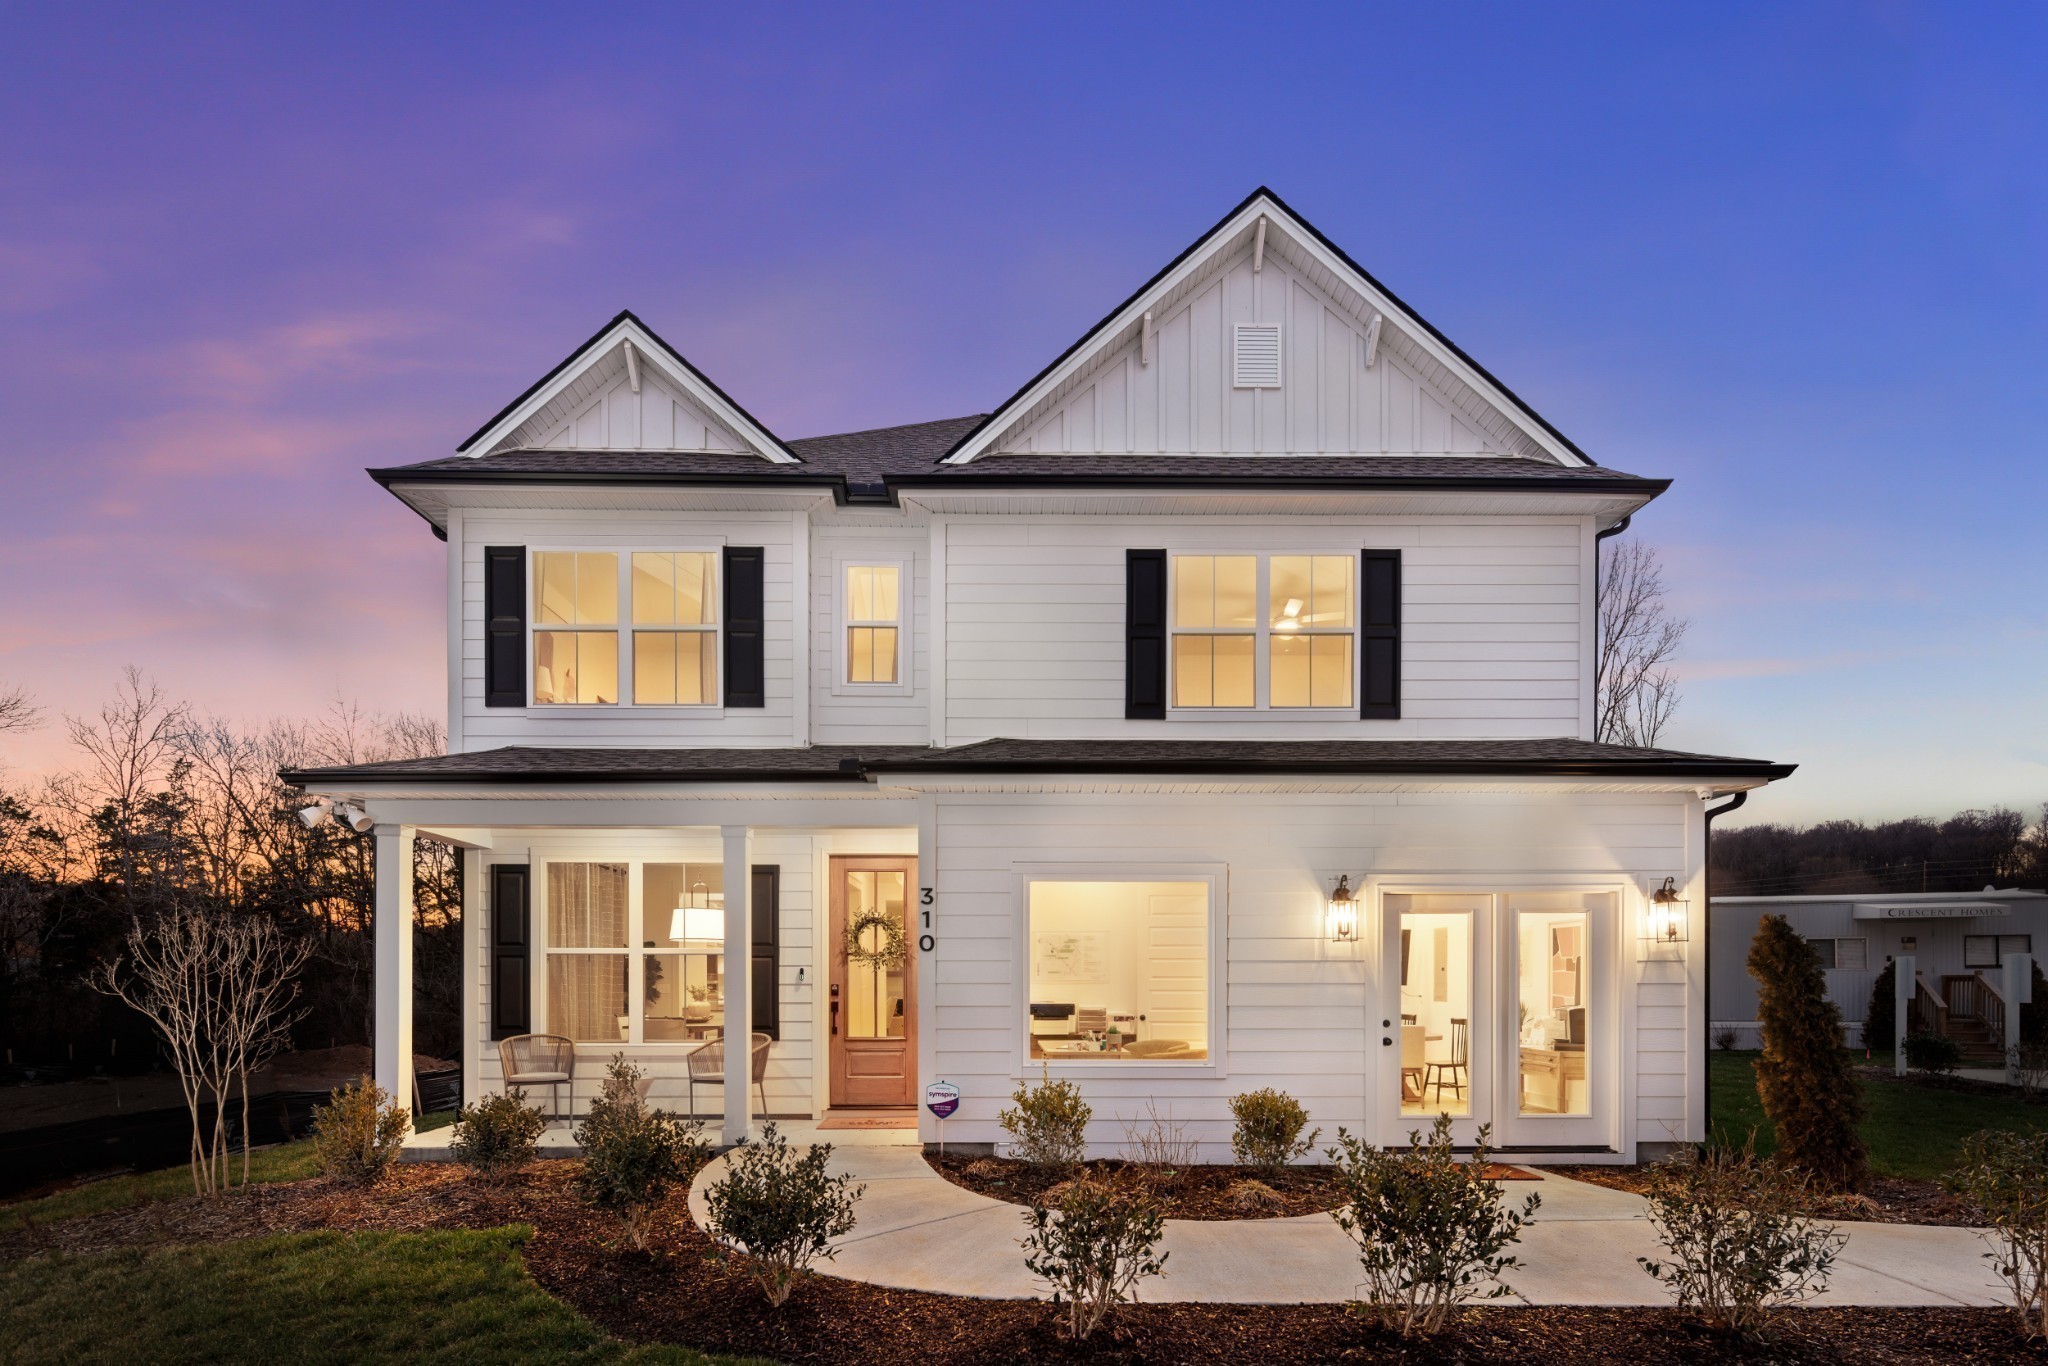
{"x":676,"y":1293}
{"x":1885,"y":1199}
{"x":1193,"y":1192}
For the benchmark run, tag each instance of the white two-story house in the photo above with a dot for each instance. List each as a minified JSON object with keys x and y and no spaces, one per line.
{"x":1216,"y":713}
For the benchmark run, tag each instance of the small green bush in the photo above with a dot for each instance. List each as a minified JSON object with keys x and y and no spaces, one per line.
{"x":1268,"y":1134}
{"x":1093,"y":1239}
{"x":1935,"y":1053}
{"x":2005,"y":1175}
{"x":358,"y":1132}
{"x":633,"y":1156}
{"x":1430,"y":1234}
{"x":498,"y":1135}
{"x":780,"y":1210}
{"x":1048,"y":1127}
{"x":1741,"y":1241}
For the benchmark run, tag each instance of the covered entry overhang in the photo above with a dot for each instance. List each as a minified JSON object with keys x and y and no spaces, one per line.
{"x":501,"y":814}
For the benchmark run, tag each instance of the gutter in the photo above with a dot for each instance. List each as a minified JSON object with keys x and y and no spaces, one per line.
{"x":1707,"y":947}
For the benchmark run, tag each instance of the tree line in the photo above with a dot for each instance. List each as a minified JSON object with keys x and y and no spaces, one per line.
{"x":165,"y":813}
{"x":1964,"y":853}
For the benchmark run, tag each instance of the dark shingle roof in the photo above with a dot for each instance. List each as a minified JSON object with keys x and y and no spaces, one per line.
{"x":1532,"y":758}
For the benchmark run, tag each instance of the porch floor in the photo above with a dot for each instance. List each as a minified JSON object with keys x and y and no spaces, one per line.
{"x":918,"y":1231}
{"x":559,"y":1140}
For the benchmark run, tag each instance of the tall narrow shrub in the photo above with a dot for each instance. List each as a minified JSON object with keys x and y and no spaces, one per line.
{"x":1881,"y":1016}
{"x":1802,"y":1075}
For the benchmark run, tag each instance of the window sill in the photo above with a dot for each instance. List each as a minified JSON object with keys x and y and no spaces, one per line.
{"x":1139,"y":1069}
{"x":541,"y":710}
{"x":1262,"y":713}
{"x":841,"y":688}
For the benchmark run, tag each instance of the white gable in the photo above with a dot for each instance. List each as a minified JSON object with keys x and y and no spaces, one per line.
{"x":627,"y":390}
{"x":1194,"y":398}
{"x":1358,"y":373}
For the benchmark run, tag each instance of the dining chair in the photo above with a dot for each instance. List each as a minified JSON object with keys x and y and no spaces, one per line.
{"x":1455,"y":1066}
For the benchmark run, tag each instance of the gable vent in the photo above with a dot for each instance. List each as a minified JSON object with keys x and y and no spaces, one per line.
{"x":1257,"y":357}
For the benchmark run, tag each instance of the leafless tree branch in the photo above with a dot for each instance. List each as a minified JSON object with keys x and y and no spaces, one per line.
{"x":1635,"y":688}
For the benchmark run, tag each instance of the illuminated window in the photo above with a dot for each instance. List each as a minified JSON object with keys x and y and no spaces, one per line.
{"x":1299,"y":652}
{"x":580,"y":649}
{"x":675,"y":628}
{"x":577,"y":589}
{"x":1119,"y":971}
{"x":873,"y":610}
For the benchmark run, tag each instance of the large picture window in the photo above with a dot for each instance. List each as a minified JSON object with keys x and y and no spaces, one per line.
{"x":1274,"y":632}
{"x":1119,"y":971}
{"x":623,"y":970}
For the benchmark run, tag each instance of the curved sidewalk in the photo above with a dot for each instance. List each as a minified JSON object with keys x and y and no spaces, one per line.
{"x":918,"y":1231}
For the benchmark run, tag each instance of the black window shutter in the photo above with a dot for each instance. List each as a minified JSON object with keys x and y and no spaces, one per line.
{"x":504,"y":625}
{"x":764,"y":905}
{"x":1379,"y":643}
{"x":745,"y":673}
{"x":1145,"y":634}
{"x":511,"y":945}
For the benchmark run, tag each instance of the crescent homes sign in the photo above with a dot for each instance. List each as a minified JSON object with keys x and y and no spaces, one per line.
{"x":1929,"y":910}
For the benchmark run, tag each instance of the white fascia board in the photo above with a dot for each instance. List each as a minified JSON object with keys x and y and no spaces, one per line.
{"x":1305,"y":242}
{"x":996,"y":780}
{"x":652,"y":354}
{"x":1536,"y":505}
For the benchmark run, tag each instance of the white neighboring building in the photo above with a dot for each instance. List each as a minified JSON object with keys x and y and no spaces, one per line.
{"x":1091,"y":705}
{"x":1951,"y":935}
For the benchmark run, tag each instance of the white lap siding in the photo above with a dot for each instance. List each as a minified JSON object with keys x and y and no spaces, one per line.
{"x":1495,"y":638}
{"x":1297,"y":1012}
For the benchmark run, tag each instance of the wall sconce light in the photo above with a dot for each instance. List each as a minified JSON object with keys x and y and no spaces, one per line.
{"x":1667,"y":921}
{"x":1344,"y":912}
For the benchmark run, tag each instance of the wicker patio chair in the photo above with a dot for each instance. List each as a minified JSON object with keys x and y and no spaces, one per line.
{"x":707,"y":1068}
{"x":540,"y":1060}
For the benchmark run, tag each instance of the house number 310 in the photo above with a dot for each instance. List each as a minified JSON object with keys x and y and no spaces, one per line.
{"x":925,"y":942}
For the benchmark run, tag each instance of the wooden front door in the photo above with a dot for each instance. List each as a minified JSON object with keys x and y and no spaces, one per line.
{"x":873,"y":1004}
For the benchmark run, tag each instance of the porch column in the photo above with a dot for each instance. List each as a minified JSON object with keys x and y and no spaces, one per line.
{"x":392,"y":923}
{"x":739,"y":1005}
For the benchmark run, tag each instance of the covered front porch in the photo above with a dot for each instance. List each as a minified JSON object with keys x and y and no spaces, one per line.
{"x":656,"y":925}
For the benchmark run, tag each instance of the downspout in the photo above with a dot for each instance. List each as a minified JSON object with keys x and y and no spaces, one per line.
{"x":1598,"y":537}
{"x":1707,"y":948}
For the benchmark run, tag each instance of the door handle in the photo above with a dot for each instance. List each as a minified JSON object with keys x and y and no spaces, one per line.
{"x":1386,"y":1043}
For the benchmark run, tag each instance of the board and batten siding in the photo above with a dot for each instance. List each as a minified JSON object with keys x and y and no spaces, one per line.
{"x":478,"y":727}
{"x":1298,"y":1013}
{"x":1495,"y":644}
{"x":1329,"y":401}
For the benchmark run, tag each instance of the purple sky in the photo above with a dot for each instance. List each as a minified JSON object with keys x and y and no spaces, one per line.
{"x":1791,"y":256}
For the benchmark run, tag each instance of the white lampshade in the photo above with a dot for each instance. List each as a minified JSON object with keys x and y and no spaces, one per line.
{"x":702,"y":923}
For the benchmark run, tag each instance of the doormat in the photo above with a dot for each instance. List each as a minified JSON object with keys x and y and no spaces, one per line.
{"x":905,"y":1120}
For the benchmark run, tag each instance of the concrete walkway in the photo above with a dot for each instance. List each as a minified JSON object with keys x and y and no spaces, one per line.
{"x":919,"y":1231}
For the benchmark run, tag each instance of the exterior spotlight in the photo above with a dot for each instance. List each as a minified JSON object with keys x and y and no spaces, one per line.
{"x":1344,"y":912}
{"x":357,"y":818}
{"x":316,"y":815}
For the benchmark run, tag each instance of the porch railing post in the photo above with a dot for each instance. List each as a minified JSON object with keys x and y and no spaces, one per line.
{"x":739,"y":1006}
{"x":1905,"y":983}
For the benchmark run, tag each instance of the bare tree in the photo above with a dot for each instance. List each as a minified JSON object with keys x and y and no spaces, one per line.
{"x":1634,"y":687}
{"x":18,"y":711}
{"x":220,"y":991}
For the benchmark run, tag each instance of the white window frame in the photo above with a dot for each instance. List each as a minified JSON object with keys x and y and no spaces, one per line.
{"x":624,"y":630}
{"x":842,"y":660}
{"x":1216,"y":876}
{"x":1262,"y":633}
{"x":636,"y":955}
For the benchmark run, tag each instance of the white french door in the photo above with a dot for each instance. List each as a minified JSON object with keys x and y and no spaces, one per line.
{"x":1499,"y":1008}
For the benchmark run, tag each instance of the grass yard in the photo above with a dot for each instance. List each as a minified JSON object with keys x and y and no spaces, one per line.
{"x":1912,"y":1131}
{"x":285,"y":1162}
{"x":304,"y":1297}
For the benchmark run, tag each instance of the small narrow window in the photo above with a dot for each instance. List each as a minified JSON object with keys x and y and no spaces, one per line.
{"x":874,"y":623}
{"x":1257,"y":356}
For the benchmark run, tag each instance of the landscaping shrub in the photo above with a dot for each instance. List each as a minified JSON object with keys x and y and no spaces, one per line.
{"x":1268,"y":1134}
{"x":1802,"y":1075}
{"x":2030,"y":1066}
{"x":1724,"y":1039}
{"x":498,"y":1135}
{"x":1049,"y":1124}
{"x":633,"y":1156}
{"x":2005,"y":1175}
{"x":1160,"y":1144}
{"x":1935,"y":1053}
{"x":1430,"y":1235}
{"x":1741,"y":1241}
{"x":1093,"y":1241}
{"x":1881,"y":1016}
{"x":1253,"y":1197}
{"x":357,"y":1133}
{"x":780,"y":1209}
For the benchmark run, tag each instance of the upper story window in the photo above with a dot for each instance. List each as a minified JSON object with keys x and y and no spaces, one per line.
{"x":1256,"y":632}
{"x":581,"y":649}
{"x":872,"y":625}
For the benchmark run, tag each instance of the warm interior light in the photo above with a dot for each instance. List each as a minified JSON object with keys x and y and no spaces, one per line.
{"x":700,"y":924}
{"x":1343,"y":912}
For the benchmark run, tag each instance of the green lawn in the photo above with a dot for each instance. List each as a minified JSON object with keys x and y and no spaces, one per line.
{"x":303,"y":1297}
{"x":285,"y":1162}
{"x":1914,"y":1131}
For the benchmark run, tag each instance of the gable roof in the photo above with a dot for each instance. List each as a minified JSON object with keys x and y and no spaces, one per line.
{"x":1403,"y":330}
{"x":750,"y":433}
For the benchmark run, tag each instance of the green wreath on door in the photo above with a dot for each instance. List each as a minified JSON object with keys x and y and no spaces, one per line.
{"x":889,"y":953}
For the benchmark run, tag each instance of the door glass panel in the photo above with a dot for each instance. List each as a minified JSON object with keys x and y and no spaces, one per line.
{"x":1436,"y":1001}
{"x":875,"y":989}
{"x":1553,"y":1000}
